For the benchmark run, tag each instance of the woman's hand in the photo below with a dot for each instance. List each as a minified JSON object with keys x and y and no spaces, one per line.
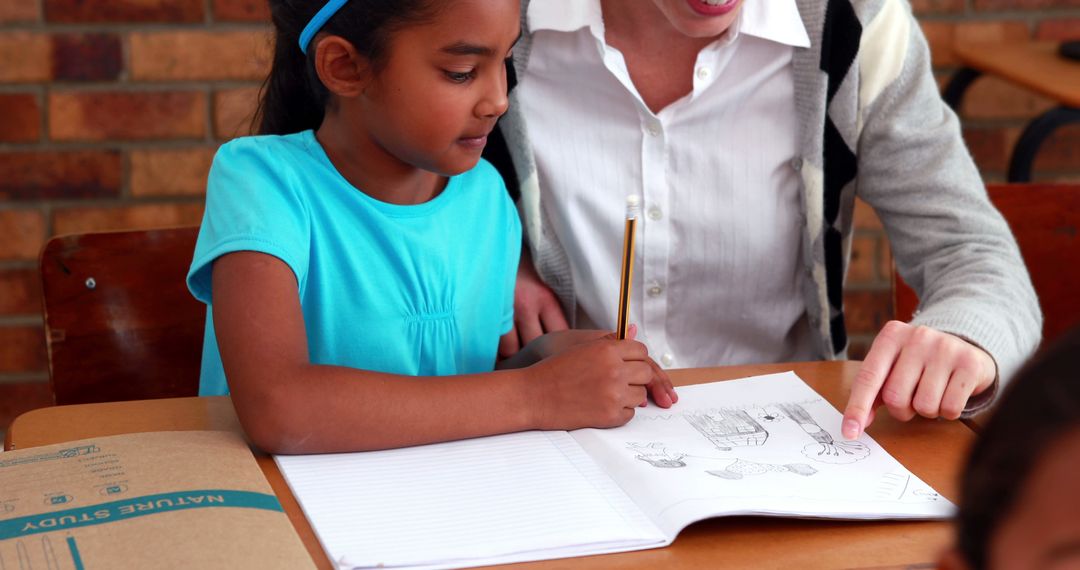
{"x":536,"y":310}
{"x":915,"y":370}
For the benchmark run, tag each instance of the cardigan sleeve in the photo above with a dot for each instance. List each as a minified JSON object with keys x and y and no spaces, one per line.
{"x":948,"y":241}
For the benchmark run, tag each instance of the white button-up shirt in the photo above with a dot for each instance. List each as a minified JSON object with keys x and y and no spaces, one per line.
{"x":718,"y":272}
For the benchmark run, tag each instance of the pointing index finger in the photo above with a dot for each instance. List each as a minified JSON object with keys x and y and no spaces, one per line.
{"x":868,"y":382}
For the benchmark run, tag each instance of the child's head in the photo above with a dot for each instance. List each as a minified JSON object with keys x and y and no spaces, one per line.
{"x":422,"y":80}
{"x":1020,"y":501}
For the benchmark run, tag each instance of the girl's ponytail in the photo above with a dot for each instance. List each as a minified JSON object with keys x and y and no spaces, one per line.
{"x":290,"y":100}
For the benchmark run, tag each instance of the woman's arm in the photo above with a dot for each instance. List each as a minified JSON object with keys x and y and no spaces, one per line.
{"x":288,"y":405}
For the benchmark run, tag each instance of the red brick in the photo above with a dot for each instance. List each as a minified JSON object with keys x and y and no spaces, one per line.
{"x":923,"y":7}
{"x":24,"y":57}
{"x":87,"y":57}
{"x":863,"y":262}
{"x":22,"y":117}
{"x":20,"y":397}
{"x":87,"y":11}
{"x":200,"y":55}
{"x":170,"y":172}
{"x":242,"y":10}
{"x":146,"y":216}
{"x":1060,"y":152}
{"x":51,"y":175}
{"x":20,"y":11}
{"x":867,"y":311}
{"x":865,"y":217}
{"x":131,"y":115}
{"x":22,"y":349}
{"x":1024,"y":4}
{"x":233,"y":111}
{"x":1058,"y":29}
{"x":22,"y":233}
{"x":992,"y":98}
{"x":940,"y":35}
{"x":20,"y":291}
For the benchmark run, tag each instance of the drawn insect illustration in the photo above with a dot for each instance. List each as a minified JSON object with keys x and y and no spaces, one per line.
{"x":827,"y":449}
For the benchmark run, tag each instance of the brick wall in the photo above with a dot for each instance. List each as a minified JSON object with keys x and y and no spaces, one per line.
{"x":110,"y":112}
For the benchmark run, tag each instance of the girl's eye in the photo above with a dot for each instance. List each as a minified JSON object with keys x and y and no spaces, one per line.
{"x":459,"y":76}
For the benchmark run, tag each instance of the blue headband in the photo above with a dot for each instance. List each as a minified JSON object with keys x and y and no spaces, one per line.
{"x":317,"y":22}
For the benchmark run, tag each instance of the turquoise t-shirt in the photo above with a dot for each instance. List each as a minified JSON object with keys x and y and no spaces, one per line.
{"x":424,"y":289}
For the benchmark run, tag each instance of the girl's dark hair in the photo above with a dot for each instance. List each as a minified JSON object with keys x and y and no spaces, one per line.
{"x":292,"y":98}
{"x":1041,"y":405}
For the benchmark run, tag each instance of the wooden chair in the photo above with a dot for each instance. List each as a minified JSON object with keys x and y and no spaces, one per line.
{"x":120,"y":323}
{"x":1045,"y":218}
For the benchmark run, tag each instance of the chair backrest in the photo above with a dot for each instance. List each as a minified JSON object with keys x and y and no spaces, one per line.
{"x":120,"y":323}
{"x":1045,"y":218}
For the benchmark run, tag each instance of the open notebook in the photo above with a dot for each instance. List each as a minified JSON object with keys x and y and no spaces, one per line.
{"x":767,"y":445}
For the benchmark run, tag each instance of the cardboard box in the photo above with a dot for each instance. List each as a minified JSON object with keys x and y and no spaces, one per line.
{"x":190,"y":499}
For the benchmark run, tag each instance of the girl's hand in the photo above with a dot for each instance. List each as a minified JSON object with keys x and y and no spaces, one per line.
{"x":597,"y":383}
{"x":916,"y":371}
{"x":551,"y":344}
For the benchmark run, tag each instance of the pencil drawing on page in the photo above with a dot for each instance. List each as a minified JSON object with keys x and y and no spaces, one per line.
{"x":827,"y":449}
{"x":740,"y":468}
{"x":657,"y":455}
{"x":727,"y":429}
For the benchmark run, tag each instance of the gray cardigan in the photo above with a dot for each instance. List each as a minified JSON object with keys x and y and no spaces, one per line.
{"x":872,"y":125}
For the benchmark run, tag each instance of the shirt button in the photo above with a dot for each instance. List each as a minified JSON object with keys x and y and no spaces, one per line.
{"x":667,"y":359}
{"x":655,"y":290}
{"x":796,"y":163}
{"x":703,"y":72}
{"x":654,"y":128}
{"x":655,"y":213}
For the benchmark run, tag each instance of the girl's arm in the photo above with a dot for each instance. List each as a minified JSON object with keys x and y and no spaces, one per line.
{"x":288,"y":405}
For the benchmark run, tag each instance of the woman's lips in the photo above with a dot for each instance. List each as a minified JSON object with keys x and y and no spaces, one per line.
{"x":706,"y":9}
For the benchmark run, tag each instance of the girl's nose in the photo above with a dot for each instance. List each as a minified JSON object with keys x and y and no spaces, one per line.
{"x":495,"y":101}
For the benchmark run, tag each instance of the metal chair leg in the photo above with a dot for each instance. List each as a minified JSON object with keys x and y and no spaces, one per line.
{"x":957,"y":86}
{"x":1037,"y":131}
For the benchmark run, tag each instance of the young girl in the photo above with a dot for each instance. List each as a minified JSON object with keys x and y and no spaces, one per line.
{"x":358,"y":258}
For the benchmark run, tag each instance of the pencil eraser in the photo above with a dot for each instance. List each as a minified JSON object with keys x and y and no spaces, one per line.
{"x":633,"y":205}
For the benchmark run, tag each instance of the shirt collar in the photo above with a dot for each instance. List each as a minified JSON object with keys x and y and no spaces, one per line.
{"x":775,"y":20}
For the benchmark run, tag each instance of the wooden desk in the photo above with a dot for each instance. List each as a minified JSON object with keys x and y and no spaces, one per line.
{"x":933,"y":450}
{"x":1035,"y":66}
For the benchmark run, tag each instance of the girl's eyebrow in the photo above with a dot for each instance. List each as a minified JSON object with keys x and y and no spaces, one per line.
{"x":466,"y":48}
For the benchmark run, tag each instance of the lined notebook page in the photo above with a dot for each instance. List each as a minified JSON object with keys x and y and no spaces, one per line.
{"x":522,"y":496}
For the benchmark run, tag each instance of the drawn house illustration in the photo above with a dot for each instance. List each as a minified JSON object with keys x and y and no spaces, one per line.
{"x":728,"y":428}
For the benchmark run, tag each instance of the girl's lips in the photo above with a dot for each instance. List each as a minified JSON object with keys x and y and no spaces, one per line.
{"x":705,"y":9}
{"x":473,"y":142}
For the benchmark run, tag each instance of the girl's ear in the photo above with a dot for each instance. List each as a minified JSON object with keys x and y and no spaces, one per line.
{"x":341,"y":68}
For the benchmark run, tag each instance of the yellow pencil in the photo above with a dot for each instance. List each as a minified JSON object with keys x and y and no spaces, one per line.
{"x":633,"y":204}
